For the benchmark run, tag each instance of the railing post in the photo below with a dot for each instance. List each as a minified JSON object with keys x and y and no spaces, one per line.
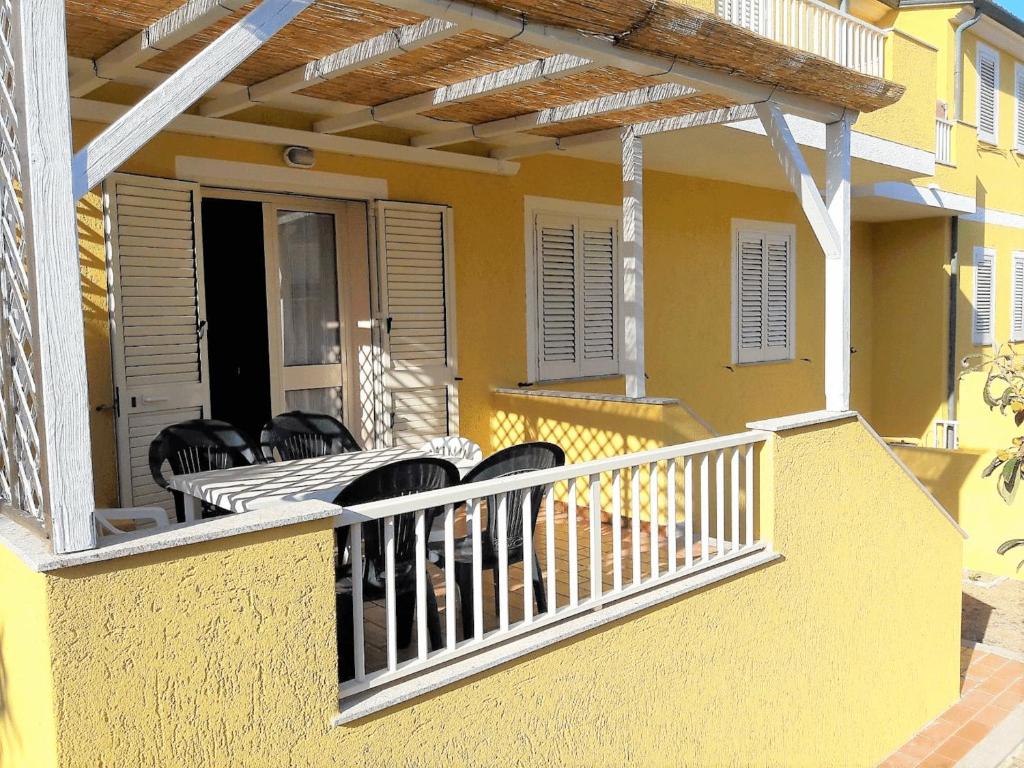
{"x":51,"y":239}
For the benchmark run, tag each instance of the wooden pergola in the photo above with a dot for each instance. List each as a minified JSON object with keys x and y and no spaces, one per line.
{"x":520,"y":78}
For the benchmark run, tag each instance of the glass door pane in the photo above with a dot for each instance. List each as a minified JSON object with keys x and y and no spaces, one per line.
{"x":309,"y":288}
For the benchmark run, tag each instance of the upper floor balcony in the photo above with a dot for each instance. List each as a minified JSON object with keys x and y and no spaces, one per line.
{"x":813,"y":27}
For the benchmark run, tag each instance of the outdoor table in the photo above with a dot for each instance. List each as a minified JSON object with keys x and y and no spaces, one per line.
{"x":245,"y":489}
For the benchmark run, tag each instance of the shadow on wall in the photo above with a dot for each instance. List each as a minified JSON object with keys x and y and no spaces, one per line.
{"x":92,"y":256}
{"x":590,"y":429}
{"x":10,"y":739}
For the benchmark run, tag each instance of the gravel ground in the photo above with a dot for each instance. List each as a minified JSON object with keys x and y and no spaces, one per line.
{"x":994,"y":615}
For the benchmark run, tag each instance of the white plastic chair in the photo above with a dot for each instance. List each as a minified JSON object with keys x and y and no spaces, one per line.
{"x":454,"y":447}
{"x":105,"y":519}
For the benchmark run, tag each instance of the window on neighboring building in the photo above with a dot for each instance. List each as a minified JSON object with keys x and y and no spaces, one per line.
{"x":1017,"y":318}
{"x":984,"y":318}
{"x":574,"y":330}
{"x":1018,"y":91}
{"x":986,"y":63}
{"x":763,"y":293}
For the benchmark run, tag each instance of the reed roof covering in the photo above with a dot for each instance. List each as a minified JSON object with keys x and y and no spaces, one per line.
{"x":667,"y":28}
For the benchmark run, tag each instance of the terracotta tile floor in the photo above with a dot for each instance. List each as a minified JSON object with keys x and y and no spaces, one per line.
{"x":991,"y":686}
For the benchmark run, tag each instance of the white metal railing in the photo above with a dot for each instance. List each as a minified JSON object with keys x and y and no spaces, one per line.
{"x":604,"y":530}
{"x":943,"y":141}
{"x":814,"y":27}
{"x":20,"y":484}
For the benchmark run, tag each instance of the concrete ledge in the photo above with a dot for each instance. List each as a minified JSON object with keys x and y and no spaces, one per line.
{"x":514,"y":392}
{"x":365,"y":704}
{"x":35,"y":551}
{"x":799,"y":420}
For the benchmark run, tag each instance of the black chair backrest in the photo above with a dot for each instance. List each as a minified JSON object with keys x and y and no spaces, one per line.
{"x":514,"y":461}
{"x":198,"y":446}
{"x":301,"y":435}
{"x":402,"y":478}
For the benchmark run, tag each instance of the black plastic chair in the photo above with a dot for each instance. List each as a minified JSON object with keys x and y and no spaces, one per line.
{"x":511,"y":461}
{"x":199,"y":446}
{"x":302,"y":435}
{"x":401,"y":478}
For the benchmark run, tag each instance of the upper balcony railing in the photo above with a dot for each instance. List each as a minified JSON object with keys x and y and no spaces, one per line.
{"x":814,"y":27}
{"x":553,"y":544}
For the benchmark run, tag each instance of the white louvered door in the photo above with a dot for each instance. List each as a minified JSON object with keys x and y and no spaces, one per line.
{"x":157,"y":315}
{"x":1017,"y":316}
{"x":987,"y":65}
{"x":764,"y":300}
{"x":415,"y":280}
{"x":984,"y":296}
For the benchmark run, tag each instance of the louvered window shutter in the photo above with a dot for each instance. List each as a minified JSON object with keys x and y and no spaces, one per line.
{"x":1018,"y":90}
{"x":1018,"y":297}
{"x":984,"y":296}
{"x":557,"y":338}
{"x":578,"y":296}
{"x":987,"y":65}
{"x":416,"y":285}
{"x":156,"y":308}
{"x":764,"y":296}
{"x":600,"y":302}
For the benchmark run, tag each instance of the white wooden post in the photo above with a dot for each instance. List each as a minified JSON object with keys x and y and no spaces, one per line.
{"x":633,"y":263}
{"x":838,"y":266}
{"x":51,"y":237}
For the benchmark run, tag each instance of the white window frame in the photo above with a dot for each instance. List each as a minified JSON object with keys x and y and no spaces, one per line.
{"x":983,"y":50}
{"x":534,"y":206}
{"x":777,"y":227}
{"x":1016,"y":334}
{"x":978,"y":339}
{"x":1018,"y":111}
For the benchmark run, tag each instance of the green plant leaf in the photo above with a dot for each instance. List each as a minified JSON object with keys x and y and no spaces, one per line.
{"x":996,"y":463}
{"x":1008,"y":479}
{"x":1006,"y":546}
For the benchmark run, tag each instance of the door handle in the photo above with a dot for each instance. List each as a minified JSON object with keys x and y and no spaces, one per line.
{"x":201,"y":329}
{"x":146,"y":400}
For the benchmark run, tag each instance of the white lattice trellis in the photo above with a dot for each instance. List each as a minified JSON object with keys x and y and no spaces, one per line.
{"x":20,"y":484}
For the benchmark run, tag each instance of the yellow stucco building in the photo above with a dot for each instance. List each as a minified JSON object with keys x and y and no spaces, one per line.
{"x":725,"y":256}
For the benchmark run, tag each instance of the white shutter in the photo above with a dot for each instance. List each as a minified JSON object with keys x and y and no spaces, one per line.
{"x":1017,"y":317}
{"x":984,"y":296}
{"x":1018,"y":91}
{"x":415,"y":279}
{"x":557,"y":310}
{"x":599,"y":259}
{"x":764,"y":301}
{"x":987,"y":66}
{"x":750,"y":268}
{"x":156,"y":307}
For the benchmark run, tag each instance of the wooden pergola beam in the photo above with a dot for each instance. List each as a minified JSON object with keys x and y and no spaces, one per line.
{"x":600,"y":105}
{"x":384,"y":46}
{"x":106,"y":152}
{"x":51,"y":241}
{"x":473,"y":88}
{"x":178,"y":25}
{"x":662,"y":125}
{"x":606,"y":53}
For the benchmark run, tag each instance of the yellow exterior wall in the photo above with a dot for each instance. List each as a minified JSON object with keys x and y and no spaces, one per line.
{"x":223,"y":653}
{"x":954,"y":477}
{"x":911,"y":120}
{"x":910,"y":311}
{"x":688,"y":286}
{"x":28,"y":733}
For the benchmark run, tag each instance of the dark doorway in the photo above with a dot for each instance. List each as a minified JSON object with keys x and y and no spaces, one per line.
{"x":236,"y":310}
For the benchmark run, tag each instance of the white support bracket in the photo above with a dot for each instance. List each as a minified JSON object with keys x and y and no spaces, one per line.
{"x":633,"y":360}
{"x":795,"y":167}
{"x":51,"y":240}
{"x":106,"y":152}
